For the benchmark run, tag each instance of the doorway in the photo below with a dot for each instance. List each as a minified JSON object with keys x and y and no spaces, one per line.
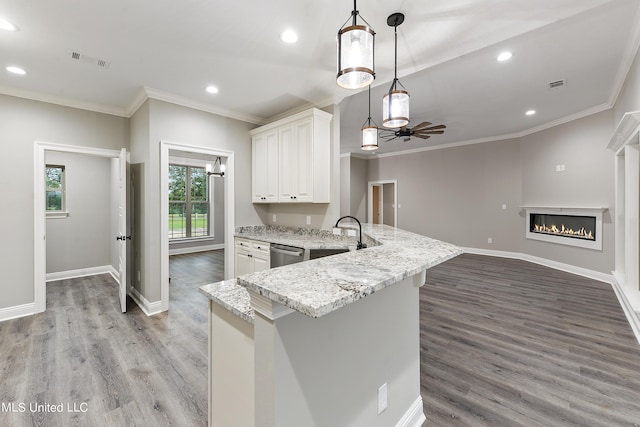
{"x":383,"y":202}
{"x":172,"y":149}
{"x":118,"y":217}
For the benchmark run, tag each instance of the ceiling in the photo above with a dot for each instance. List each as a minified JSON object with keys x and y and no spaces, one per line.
{"x":172,"y":50}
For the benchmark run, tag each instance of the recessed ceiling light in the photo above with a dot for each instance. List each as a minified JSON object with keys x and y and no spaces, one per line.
{"x":289,"y":36}
{"x":504,"y":56}
{"x":16,"y":70}
{"x":8,"y":26}
{"x":212,"y":89}
{"x":530,"y":112}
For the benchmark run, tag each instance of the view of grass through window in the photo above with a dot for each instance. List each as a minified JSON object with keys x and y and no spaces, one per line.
{"x":188,"y":202}
{"x":54,"y":176}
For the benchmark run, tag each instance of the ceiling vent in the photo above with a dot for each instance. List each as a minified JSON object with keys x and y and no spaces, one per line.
{"x":557,"y":84}
{"x":78,"y":56}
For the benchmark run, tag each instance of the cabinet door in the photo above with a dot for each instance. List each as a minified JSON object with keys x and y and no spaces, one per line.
{"x":265,"y":167}
{"x":243,"y":263}
{"x":303,"y":131}
{"x":287,"y":164}
{"x":260,"y":262}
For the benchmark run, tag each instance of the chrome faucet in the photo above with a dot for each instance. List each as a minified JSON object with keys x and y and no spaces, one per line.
{"x":360,"y":244}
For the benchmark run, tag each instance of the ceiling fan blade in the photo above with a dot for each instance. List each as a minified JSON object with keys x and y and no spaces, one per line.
{"x":431,"y":132}
{"x":436,"y":127}
{"x":421,"y":125}
{"x":423,"y":136}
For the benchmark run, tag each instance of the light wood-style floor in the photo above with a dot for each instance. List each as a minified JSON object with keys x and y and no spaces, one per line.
{"x":122,"y":369}
{"x":503,"y":343}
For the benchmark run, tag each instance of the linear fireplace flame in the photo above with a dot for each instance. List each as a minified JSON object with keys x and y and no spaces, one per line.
{"x":573,"y":226}
{"x":580,"y":227}
{"x":564,"y":231}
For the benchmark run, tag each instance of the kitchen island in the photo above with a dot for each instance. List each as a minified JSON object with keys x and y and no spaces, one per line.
{"x":327,"y":342}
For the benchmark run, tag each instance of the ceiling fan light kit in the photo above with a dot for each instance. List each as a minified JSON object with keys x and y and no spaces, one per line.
{"x":356,"y":47}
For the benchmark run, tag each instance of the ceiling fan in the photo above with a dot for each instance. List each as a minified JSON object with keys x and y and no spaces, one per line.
{"x":423,"y":130}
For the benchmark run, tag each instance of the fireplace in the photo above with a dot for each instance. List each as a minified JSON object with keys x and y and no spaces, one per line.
{"x":580,"y":227}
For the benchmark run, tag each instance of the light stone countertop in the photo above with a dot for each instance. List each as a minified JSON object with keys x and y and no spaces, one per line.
{"x":232,"y":297}
{"x":320,"y":286}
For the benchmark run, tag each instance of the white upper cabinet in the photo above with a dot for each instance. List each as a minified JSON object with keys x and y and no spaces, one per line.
{"x":265,"y":167}
{"x":291,"y":159}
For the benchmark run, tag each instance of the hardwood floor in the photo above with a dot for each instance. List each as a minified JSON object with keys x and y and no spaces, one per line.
{"x":506,"y":342}
{"x":112,"y":369}
{"x":503,"y":343}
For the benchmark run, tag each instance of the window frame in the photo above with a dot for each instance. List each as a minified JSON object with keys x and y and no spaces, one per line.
{"x":188,"y":203}
{"x":62,"y":212}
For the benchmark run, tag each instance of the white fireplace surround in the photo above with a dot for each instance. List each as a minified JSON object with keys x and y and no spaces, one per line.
{"x":564,"y":240}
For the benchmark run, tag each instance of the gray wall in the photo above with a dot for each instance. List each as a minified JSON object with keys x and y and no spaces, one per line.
{"x":345,"y":187}
{"x":629,"y":99}
{"x":456,"y":194}
{"x":83,"y":239}
{"x":588,"y":181}
{"x":161,"y":121}
{"x":388,"y":197}
{"x":22,"y":122}
{"x":358,"y":185}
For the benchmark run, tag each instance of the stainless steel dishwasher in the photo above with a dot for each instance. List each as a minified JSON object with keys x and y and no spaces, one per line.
{"x":285,"y":255}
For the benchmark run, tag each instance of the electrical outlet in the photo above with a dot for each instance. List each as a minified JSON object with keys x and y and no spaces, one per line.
{"x":560,"y":168}
{"x":274,"y":217}
{"x":490,"y":240}
{"x":382,"y":398}
{"x":351,"y":233}
{"x":337,"y":231}
{"x":308,"y":219}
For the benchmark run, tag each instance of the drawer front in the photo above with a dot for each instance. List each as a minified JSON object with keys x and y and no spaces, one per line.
{"x":261,"y":247}
{"x":243,"y":244}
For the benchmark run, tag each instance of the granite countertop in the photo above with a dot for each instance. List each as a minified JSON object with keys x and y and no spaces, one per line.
{"x":232,"y":297}
{"x":320,"y":286}
{"x":305,"y":238}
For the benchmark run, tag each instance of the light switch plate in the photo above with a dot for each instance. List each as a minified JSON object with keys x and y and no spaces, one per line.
{"x":308,"y":219}
{"x":337,"y":231}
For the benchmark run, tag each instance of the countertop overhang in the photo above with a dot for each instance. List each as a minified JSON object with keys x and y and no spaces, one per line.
{"x":318,"y":287}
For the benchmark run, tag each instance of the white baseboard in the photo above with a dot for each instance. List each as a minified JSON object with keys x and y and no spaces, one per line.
{"x":632,"y":316}
{"x":17,"y":311}
{"x":194,"y":249}
{"x":591,"y":274}
{"x":82,"y":272}
{"x":414,"y":417}
{"x":148,"y":308}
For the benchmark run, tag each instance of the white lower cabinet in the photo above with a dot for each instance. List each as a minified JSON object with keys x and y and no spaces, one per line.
{"x":251,"y":256}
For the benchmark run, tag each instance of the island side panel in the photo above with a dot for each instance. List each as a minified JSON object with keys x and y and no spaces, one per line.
{"x":327,"y":371}
{"x":231,"y":369}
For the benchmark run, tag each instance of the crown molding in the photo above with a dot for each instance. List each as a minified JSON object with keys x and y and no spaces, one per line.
{"x":189,"y":103}
{"x":65,"y":102}
{"x":628,"y":57}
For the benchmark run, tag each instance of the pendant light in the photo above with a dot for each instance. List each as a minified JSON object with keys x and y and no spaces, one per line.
{"x":355,"y":53}
{"x":211,"y":170}
{"x":395,"y":103}
{"x":369,"y":131}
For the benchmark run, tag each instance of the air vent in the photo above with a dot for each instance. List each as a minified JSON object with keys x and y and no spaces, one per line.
{"x":556,"y":84}
{"x":80,"y":57}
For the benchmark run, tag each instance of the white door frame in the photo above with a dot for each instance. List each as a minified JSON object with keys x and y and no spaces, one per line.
{"x":39,"y":214}
{"x":229,"y":206}
{"x":370,"y":199}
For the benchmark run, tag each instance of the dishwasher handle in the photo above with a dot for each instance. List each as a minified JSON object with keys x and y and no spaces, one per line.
{"x":281,"y":251}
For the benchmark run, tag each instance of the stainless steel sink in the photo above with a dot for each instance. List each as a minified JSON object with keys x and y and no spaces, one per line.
{"x":319,"y":253}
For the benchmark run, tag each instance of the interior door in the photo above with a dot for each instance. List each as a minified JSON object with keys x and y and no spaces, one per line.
{"x":122,"y":237}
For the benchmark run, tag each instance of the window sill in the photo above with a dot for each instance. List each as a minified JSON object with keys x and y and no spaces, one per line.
{"x":192,"y":239}
{"x":57,"y":215}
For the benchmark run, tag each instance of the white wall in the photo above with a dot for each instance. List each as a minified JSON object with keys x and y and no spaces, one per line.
{"x":629,"y":98}
{"x":22,"y":122}
{"x":83,"y":239}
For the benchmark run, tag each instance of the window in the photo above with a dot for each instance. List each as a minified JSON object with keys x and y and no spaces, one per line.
{"x":188,"y":202}
{"x":54,"y":176}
